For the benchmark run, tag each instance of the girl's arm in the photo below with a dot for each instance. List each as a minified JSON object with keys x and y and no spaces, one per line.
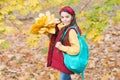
{"x":75,"y":47}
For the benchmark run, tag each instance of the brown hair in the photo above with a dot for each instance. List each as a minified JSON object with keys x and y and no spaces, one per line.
{"x":70,"y":11}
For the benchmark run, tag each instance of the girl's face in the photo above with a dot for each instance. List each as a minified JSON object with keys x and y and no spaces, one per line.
{"x":66,"y":18}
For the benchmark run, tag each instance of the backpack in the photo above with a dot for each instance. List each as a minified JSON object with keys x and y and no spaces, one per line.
{"x":77,"y":63}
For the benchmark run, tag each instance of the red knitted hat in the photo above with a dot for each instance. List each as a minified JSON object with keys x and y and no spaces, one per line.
{"x":68,"y":9}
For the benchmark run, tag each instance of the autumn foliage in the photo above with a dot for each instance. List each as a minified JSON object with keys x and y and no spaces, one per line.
{"x":23,"y":55}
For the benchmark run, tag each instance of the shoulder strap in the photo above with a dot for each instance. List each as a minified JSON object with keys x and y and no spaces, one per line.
{"x":74,"y":27}
{"x":82,"y":74}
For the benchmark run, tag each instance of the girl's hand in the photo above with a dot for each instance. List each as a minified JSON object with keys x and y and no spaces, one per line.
{"x":58,"y":44}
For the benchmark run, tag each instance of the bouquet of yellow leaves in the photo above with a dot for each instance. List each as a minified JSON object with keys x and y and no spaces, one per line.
{"x":45,"y":24}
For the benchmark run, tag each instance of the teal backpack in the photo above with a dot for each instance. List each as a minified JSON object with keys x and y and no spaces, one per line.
{"x":77,"y":63}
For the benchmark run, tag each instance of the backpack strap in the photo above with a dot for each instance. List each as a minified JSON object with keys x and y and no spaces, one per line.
{"x":82,"y":75}
{"x":74,"y":27}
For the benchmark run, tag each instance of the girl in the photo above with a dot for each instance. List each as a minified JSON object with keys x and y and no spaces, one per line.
{"x":70,"y":44}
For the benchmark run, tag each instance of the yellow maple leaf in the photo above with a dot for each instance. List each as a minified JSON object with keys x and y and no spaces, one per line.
{"x":51,"y":19}
{"x":43,"y":30}
{"x":51,"y":30}
{"x":45,"y":24}
{"x":35,"y":28}
{"x":41,"y":14}
{"x":42,"y":20}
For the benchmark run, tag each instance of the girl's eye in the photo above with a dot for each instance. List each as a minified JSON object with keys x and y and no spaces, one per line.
{"x":62,"y":17}
{"x":67,"y":16}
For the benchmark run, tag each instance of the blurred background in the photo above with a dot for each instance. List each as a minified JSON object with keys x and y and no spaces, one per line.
{"x":23,"y":55}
